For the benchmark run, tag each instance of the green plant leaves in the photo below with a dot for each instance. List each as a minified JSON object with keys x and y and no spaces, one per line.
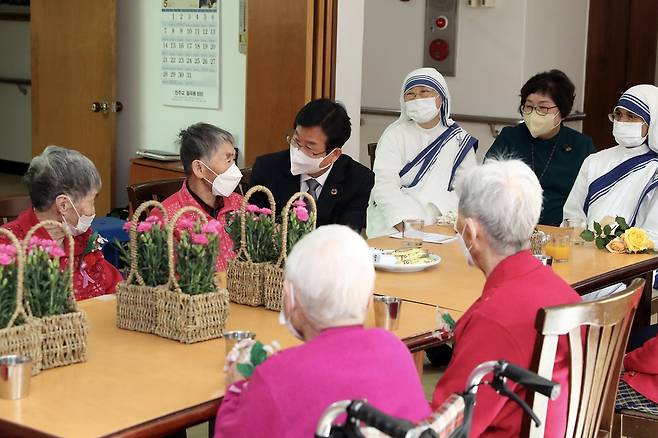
{"x":622,"y":223}
{"x":600,"y":242}
{"x":587,"y":235}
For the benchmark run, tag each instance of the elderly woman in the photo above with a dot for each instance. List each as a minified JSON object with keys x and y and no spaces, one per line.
{"x":499,"y":204}
{"x":620,"y":181}
{"x":418,"y":157}
{"x":329,"y":278}
{"x":553,"y":151}
{"x":211,"y":176}
{"x":63,"y":184}
{"x":638,"y":386}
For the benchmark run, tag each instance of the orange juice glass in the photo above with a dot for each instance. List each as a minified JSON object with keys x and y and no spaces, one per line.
{"x":559,"y":247}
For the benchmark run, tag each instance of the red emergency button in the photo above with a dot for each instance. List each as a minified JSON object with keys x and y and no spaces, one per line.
{"x":441,"y":22}
{"x":439,"y":49}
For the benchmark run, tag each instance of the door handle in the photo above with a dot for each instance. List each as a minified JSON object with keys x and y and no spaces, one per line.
{"x":106,"y":107}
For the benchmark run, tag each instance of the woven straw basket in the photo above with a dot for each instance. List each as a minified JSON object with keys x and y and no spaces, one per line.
{"x":244,"y":277}
{"x":189,"y":318}
{"x":64,"y":337}
{"x":137,"y":303}
{"x":24,"y":339}
{"x":273,"y":273}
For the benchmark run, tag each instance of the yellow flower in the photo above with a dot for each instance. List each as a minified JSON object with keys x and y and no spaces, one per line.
{"x":616,"y":246}
{"x":637,"y":240}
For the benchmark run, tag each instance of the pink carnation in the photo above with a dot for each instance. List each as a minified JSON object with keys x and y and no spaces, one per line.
{"x":213,"y":226}
{"x":251,"y":208}
{"x":301,"y":213}
{"x":7,"y":249}
{"x":126,"y":226}
{"x":185,"y":223}
{"x":199,"y":239}
{"x":144,"y":227}
{"x":265,"y":211}
{"x":299,"y":203}
{"x":55,"y":252}
{"x":153,"y":219}
{"x":6,"y":259}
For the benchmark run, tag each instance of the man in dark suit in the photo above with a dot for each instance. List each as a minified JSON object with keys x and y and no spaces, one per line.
{"x":314,"y":163}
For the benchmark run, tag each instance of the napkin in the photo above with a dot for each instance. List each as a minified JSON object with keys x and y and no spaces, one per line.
{"x":429,"y":237}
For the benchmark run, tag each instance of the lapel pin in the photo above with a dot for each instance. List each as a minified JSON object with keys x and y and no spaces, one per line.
{"x":334,"y":192}
{"x":567,"y":147}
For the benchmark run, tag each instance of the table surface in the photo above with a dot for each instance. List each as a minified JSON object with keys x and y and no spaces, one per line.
{"x":453,"y":284}
{"x":132,"y":378}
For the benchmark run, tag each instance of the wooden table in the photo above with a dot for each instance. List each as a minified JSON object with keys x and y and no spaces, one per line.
{"x":136,"y":384}
{"x":144,"y":169}
{"x":453,"y":284}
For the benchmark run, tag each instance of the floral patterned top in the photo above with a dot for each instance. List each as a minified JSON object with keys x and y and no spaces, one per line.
{"x":184,"y":198}
{"x":92,"y":274}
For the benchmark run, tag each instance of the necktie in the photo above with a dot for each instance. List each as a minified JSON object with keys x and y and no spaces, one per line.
{"x":312,"y":188}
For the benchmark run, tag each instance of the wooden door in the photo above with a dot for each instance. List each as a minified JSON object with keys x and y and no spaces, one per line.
{"x":621,"y":52}
{"x":74,"y":65}
{"x":290,"y":60}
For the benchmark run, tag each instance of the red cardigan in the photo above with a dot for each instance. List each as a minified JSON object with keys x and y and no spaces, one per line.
{"x":641,"y":367}
{"x":96,"y":277}
{"x":183,"y":198}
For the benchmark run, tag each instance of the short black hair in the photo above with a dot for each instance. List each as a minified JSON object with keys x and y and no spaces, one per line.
{"x":330,"y":116}
{"x":200,"y":141}
{"x":554,"y":83}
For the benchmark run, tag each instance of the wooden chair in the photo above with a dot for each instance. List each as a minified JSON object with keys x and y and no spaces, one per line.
{"x":158,"y":190}
{"x":635,"y":424}
{"x":245,"y":183}
{"x":12,"y":206}
{"x":595,"y":363}
{"x":372,"y":149}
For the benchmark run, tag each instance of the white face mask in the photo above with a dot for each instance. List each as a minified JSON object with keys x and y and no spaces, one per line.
{"x":225,"y":183}
{"x":283,"y":320}
{"x":84,"y":222}
{"x":628,"y":134}
{"x":422,"y":110}
{"x":300,"y":163}
{"x":466,"y":250}
{"x":540,"y":125}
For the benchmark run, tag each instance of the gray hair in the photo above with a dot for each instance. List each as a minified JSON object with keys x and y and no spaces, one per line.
{"x":505,"y":196}
{"x":201,"y":141}
{"x":332,"y":275}
{"x":59,"y":171}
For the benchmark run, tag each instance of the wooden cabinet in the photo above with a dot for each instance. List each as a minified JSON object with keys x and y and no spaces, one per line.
{"x":143,"y":169}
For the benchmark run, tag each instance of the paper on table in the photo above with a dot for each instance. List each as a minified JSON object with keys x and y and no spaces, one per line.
{"x":429,"y":237}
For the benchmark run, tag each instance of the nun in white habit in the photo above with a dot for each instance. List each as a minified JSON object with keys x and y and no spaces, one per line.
{"x":418,"y":157}
{"x":621,"y":181}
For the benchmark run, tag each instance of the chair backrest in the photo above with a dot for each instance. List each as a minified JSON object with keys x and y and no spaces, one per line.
{"x":595,"y":363}
{"x":245,"y":182}
{"x":12,"y":206}
{"x":158,"y":190}
{"x":372,"y":149}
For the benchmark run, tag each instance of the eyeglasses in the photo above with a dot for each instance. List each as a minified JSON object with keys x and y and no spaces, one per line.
{"x":541,"y":110}
{"x":619,"y":116}
{"x":305,"y":149}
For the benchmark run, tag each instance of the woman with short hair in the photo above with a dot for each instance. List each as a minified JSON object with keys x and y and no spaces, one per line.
{"x":208,"y":155}
{"x":329,"y":279}
{"x":553,"y":151}
{"x":63,"y":184}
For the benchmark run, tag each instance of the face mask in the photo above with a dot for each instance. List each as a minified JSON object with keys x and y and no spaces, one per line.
{"x":225,"y":183}
{"x":283,"y":320}
{"x":422,"y":110}
{"x":84,"y":222}
{"x":628,"y":134}
{"x":301,"y":163}
{"x":540,"y":125}
{"x":466,"y":250}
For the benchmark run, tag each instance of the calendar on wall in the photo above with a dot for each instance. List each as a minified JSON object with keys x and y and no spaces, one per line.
{"x":189,"y":38}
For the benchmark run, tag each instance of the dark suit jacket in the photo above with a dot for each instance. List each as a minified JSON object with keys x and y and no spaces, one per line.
{"x":344,"y":196}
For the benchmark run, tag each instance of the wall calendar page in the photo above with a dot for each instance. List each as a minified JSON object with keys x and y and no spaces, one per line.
{"x":189,"y":61}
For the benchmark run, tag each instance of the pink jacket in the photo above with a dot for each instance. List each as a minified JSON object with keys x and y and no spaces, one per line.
{"x":183,"y":198}
{"x":287,"y":394}
{"x":641,"y":367}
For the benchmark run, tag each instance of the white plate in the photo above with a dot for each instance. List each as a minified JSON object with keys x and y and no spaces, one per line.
{"x":400,"y":267}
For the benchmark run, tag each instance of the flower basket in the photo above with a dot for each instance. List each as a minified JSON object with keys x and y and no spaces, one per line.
{"x":189,"y":318}
{"x":245,"y":277}
{"x":21,"y":336}
{"x":64,"y":336}
{"x":137,"y":303}
{"x":273,"y":272}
